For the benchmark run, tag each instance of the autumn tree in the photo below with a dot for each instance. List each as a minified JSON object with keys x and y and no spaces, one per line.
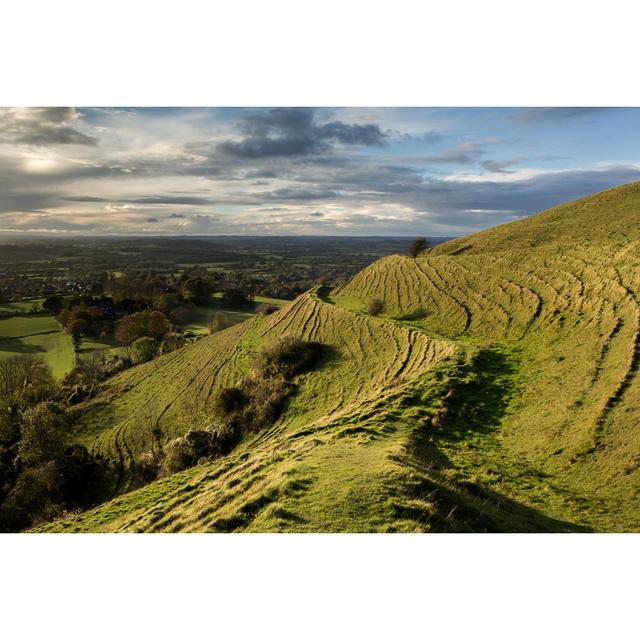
{"x":151,"y":324}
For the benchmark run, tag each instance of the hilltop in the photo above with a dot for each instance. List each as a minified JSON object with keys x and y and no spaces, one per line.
{"x":498,"y":390}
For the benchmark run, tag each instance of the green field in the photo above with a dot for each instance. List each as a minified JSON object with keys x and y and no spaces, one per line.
{"x":198,"y":316}
{"x":497,"y":391}
{"x":90,"y":348}
{"x":22,"y":306}
{"x":37,"y":336}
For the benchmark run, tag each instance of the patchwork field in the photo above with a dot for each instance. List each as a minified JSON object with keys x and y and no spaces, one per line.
{"x":498,"y":390}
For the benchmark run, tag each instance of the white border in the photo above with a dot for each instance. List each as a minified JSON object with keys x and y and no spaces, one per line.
{"x":330,"y":53}
{"x":404,"y":53}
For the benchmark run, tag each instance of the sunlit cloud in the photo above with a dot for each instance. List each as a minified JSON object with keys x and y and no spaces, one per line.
{"x":353,"y":171}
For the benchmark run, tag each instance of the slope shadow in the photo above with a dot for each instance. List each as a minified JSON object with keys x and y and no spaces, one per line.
{"x":475,"y":400}
{"x":15,"y":345}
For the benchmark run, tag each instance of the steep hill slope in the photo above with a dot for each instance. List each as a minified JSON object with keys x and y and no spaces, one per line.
{"x":362,"y":360}
{"x":498,"y":391}
{"x":568,"y":305}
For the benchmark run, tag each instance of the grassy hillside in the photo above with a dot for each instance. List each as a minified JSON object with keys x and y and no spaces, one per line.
{"x":497,"y":391}
{"x":569,"y":308}
{"x":361,"y":360}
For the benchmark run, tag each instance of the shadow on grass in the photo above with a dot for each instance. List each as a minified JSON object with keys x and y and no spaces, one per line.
{"x":475,"y":395}
{"x":15,"y":345}
{"x":324,"y":293}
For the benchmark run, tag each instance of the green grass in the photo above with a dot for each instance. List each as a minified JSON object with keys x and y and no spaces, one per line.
{"x":89,"y":348}
{"x":197,"y":319}
{"x":37,"y":336}
{"x":116,"y":424}
{"x":498,"y":391}
{"x":21,"y":306}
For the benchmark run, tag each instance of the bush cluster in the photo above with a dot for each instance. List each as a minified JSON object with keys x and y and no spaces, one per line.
{"x":266,"y":308}
{"x":375,"y":307}
{"x":250,"y":406}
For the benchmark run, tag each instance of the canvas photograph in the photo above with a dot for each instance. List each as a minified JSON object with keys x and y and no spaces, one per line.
{"x":319,"y":319}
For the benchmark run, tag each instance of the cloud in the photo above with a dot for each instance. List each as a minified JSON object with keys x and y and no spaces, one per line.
{"x":297,"y":194}
{"x":84,"y":199}
{"x":499,"y":166}
{"x":187,"y":200}
{"x":191,"y":200}
{"x":428,"y":137}
{"x":42,"y":127}
{"x":176,"y":170}
{"x":466,"y":153}
{"x":287,"y":132}
{"x":554,"y":114}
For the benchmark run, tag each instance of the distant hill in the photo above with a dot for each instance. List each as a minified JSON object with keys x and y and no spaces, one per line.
{"x":498,"y":390}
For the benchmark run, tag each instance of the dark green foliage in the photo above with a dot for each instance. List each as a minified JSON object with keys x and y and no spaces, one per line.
{"x":35,"y":497}
{"x":197,"y":291}
{"x":171,"y":342}
{"x":286,"y":357}
{"x":144,"y":349}
{"x":82,"y":477}
{"x":254,"y":404}
{"x":235,"y":299}
{"x":53,"y":304}
{"x":42,"y":432}
{"x":39,"y":475}
{"x":24,"y":381}
{"x":231,"y":399}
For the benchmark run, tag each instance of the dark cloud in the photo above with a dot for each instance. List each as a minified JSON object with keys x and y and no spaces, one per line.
{"x":317,"y":214}
{"x":499,"y":166}
{"x":554,"y":114}
{"x":84,"y":199}
{"x":189,"y":200}
{"x":296,"y":194}
{"x":42,"y":127}
{"x":177,"y":216}
{"x":261,"y":173}
{"x":295,"y":132}
{"x":151,"y":220}
{"x":471,"y":205}
{"x":428,"y":137}
{"x":192,"y":200}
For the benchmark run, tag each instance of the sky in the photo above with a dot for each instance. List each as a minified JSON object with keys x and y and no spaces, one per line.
{"x":303,"y":171}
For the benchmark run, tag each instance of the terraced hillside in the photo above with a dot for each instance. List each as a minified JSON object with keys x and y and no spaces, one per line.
{"x":498,"y":390}
{"x":561,"y":290}
{"x":362,"y":360}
